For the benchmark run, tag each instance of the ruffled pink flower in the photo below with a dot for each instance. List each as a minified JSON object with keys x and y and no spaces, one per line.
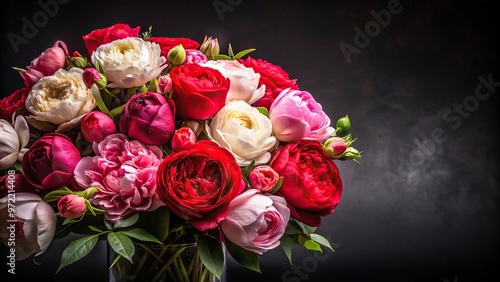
{"x":195,"y":57}
{"x":125,"y":173}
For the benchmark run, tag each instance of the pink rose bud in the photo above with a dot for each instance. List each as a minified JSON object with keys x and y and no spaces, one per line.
{"x":183,"y":138}
{"x":96,"y":126}
{"x":47,"y":63}
{"x":71,"y":206}
{"x":210,"y":47}
{"x":335,"y":147}
{"x":263,"y":178}
{"x":165,"y":84}
{"x":91,"y":76}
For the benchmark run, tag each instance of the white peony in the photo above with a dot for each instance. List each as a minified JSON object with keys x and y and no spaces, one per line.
{"x":35,"y":223}
{"x":61,"y":99}
{"x":244,"y":131}
{"x":244,"y":81}
{"x":13,"y":139}
{"x":129,"y":62}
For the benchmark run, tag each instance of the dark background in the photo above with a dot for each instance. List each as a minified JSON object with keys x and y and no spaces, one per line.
{"x":409,"y":212}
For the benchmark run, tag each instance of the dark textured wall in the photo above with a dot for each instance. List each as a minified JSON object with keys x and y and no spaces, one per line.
{"x":423,"y":203}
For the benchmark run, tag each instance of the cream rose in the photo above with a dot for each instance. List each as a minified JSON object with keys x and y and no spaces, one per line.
{"x":61,"y":99}
{"x":244,"y":81}
{"x":244,"y":131}
{"x":129,"y":62}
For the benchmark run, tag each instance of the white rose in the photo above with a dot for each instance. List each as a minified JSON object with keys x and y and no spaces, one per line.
{"x":129,"y":62}
{"x":244,"y":131}
{"x":244,"y":81}
{"x":13,"y":139}
{"x":61,"y":99}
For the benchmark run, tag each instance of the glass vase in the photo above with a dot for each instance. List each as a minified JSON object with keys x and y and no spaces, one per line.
{"x":160,"y":263}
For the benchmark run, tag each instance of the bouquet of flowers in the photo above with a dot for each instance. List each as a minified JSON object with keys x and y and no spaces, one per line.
{"x":164,"y":140}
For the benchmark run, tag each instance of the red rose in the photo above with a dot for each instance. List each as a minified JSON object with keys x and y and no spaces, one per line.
{"x":50,"y":161}
{"x":198,"y":183}
{"x":9,"y":104}
{"x":311,"y":185}
{"x":273,"y":77}
{"x":102,"y":36}
{"x":167,"y":43}
{"x":198,"y":92}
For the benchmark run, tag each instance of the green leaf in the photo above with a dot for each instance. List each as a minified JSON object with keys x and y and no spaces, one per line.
{"x":263,"y":110}
{"x":98,"y":99}
{"x":55,"y":195}
{"x":127,"y":221}
{"x":140,"y":234}
{"x":222,"y":57}
{"x":244,"y":257}
{"x":98,"y":67}
{"x":121,"y":244}
{"x":309,"y":229}
{"x":240,"y":54}
{"x":309,"y":244}
{"x":287,"y":242}
{"x":95,"y":229}
{"x":116,"y":111}
{"x":160,"y":222}
{"x":77,"y":249}
{"x":296,"y":227}
{"x":321,"y":240}
{"x":18,"y":166}
{"x":19,"y":69}
{"x":230,"y":51}
{"x":277,"y":186}
{"x":211,"y":254}
{"x":108,"y":224}
{"x":246,"y":170}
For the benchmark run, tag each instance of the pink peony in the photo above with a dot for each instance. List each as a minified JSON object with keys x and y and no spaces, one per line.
{"x":125,"y":173}
{"x":295,"y":115}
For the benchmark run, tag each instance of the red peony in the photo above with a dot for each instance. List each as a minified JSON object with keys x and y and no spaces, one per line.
{"x":198,"y":183}
{"x":9,"y":104}
{"x":311,"y":185}
{"x":198,"y":92}
{"x":50,"y":161}
{"x":273,"y":77}
{"x":106,"y":35}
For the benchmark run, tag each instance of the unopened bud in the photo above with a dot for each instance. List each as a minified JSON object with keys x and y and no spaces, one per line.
{"x":350,"y":154}
{"x":335,"y":147}
{"x":79,"y":62}
{"x":210,"y":47}
{"x":343,"y":126}
{"x":177,"y":55}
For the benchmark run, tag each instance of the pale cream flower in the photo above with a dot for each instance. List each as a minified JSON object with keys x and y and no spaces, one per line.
{"x":61,"y":99}
{"x":129,"y":62}
{"x":244,"y":131}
